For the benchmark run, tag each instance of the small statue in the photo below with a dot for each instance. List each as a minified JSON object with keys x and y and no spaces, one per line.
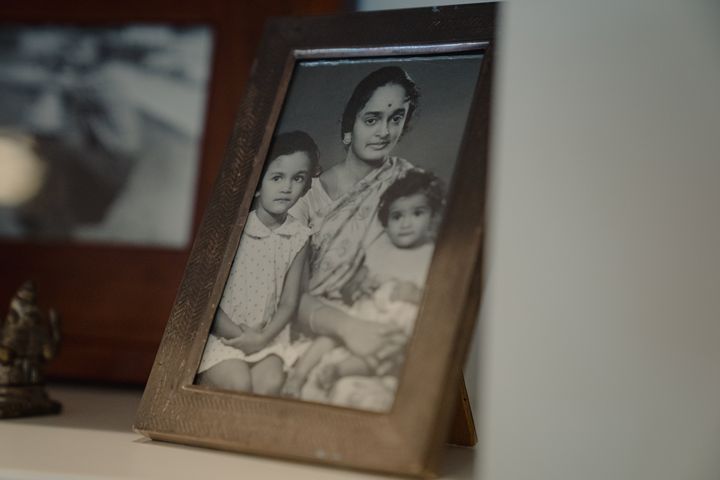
{"x":28,"y":339}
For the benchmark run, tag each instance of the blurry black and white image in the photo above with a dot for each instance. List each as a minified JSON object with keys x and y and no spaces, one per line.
{"x":323,"y":294}
{"x":100,"y":132}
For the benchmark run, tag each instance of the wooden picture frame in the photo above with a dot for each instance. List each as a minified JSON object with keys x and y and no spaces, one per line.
{"x":114,"y":300}
{"x":407,"y":437}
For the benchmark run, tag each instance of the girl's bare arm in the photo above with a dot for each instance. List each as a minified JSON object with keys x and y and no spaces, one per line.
{"x":224,"y":327}
{"x":289,"y":298}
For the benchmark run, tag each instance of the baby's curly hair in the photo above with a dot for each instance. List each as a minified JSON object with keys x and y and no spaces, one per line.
{"x":412,"y":182}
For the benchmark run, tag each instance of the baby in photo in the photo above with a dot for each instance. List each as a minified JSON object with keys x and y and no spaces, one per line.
{"x":249,"y":347}
{"x":386,"y":289}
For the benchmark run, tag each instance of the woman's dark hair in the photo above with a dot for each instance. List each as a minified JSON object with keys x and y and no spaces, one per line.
{"x":367,"y":86}
{"x":290,"y":142}
{"x":412,"y":182}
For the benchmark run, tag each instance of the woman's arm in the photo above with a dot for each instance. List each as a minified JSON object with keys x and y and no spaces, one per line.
{"x":361,"y":337}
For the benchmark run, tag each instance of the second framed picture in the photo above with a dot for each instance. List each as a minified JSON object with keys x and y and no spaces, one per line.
{"x":328,"y":301}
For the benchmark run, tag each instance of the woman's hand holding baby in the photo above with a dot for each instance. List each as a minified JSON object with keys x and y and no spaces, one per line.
{"x":406,"y":292}
{"x":387,"y":357}
{"x":364,"y":338}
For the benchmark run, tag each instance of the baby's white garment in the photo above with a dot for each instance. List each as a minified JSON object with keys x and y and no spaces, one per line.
{"x":390,"y":265}
{"x":355,"y":391}
{"x":381,"y":309}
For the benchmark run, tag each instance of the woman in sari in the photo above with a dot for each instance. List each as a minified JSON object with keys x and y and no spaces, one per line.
{"x":341,"y":209}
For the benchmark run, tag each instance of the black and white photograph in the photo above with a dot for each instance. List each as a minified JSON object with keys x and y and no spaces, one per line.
{"x":322,"y":297}
{"x":100,"y":132}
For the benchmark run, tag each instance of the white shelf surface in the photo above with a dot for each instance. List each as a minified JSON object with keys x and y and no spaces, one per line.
{"x":92,"y":439}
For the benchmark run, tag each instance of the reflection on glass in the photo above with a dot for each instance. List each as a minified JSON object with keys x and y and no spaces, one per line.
{"x":22,"y":173}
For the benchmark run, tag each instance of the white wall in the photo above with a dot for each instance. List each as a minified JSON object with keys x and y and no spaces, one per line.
{"x":602,"y":332}
{"x":601,"y":342}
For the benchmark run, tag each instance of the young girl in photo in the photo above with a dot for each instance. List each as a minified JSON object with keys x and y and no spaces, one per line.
{"x":249,"y":346}
{"x":387,"y":289}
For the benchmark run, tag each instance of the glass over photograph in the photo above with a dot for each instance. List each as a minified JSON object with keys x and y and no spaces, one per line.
{"x":100,"y":131}
{"x":323,"y":294}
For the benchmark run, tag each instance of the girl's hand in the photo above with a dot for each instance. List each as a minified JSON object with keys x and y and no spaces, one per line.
{"x":406,"y":292}
{"x":364,"y":338}
{"x":250,"y":341}
{"x":389,"y":356}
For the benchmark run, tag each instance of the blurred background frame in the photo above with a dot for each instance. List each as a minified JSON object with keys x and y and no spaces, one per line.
{"x":114,"y":292}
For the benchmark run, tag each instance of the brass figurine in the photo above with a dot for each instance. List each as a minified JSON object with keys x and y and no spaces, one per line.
{"x":28,"y":339}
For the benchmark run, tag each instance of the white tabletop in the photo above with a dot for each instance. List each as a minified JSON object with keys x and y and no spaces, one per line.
{"x":92,"y":438}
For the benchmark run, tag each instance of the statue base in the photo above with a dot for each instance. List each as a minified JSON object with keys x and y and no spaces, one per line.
{"x":25,"y":401}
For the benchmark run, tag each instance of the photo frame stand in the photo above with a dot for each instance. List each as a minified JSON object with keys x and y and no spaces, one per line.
{"x":462,"y":429}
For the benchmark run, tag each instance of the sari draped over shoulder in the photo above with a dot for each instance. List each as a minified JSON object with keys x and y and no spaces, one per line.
{"x":350,"y":225}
